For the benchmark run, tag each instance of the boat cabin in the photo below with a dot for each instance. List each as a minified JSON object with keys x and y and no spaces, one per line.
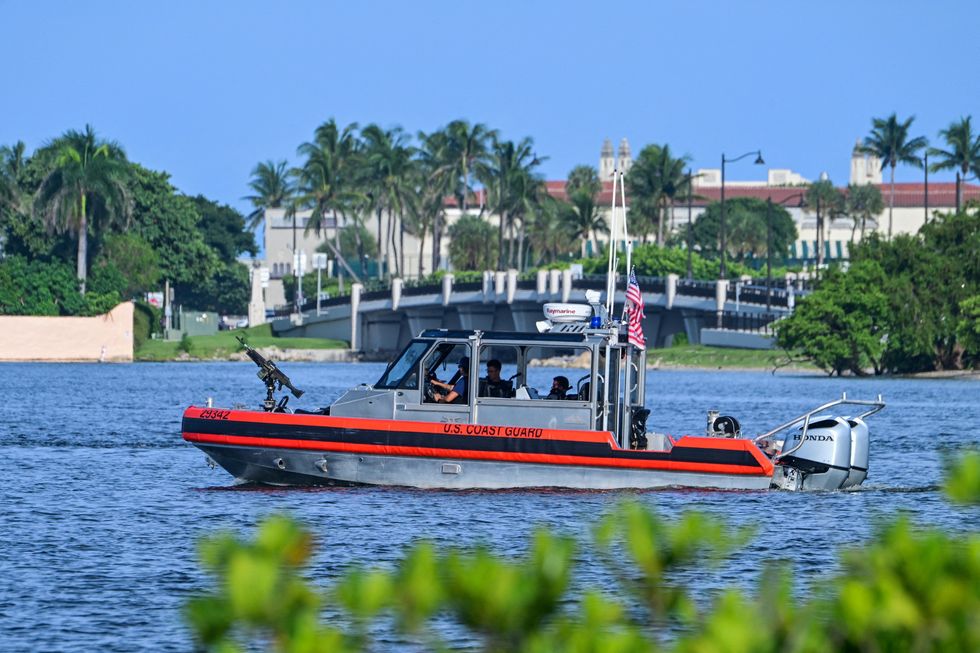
{"x":605,"y":375}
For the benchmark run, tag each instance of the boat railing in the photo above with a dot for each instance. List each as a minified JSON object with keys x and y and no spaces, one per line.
{"x":875,"y":406}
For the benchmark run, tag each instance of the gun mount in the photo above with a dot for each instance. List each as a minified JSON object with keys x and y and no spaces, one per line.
{"x":274,"y":380}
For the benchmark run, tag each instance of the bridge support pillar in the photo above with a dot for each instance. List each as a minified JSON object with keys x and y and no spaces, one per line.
{"x":721,"y":296}
{"x":422,"y":318}
{"x":476,"y":316}
{"x":355,"y":320}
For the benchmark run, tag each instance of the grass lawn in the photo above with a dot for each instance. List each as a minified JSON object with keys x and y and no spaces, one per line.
{"x":720,"y":357}
{"x":224,"y":343}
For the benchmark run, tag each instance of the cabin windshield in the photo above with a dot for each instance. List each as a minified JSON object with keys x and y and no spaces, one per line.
{"x":404,"y":371}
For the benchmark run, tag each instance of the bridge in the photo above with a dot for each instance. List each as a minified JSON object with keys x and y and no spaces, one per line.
{"x":379,"y":322}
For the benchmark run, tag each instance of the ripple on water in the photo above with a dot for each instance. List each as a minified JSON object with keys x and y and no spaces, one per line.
{"x":104,"y":504}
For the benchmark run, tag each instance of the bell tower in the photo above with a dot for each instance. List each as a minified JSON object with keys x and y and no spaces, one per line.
{"x":606,"y":162}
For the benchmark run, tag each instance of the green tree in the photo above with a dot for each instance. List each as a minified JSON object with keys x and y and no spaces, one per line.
{"x":272,"y":188}
{"x":843,"y":325}
{"x":584,"y":219}
{"x":863,"y":203}
{"x":549,"y":234}
{"x":963,"y":153}
{"x":38,"y":288}
{"x":12,"y":164}
{"x":654,"y":182}
{"x":388,"y":172}
{"x":745,"y":219}
{"x":437,"y":177}
{"x":170,"y":223}
{"x":325,"y":181}
{"x":86,"y":188}
{"x":889,"y":141}
{"x":929,"y":274}
{"x":468,"y":146}
{"x":135,"y":260}
{"x":827,"y":202}
{"x":968,"y":330}
{"x":472,"y":245}
{"x":507,"y":174}
{"x":223,"y":229}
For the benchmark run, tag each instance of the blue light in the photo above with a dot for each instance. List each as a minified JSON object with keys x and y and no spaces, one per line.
{"x":595,"y":322}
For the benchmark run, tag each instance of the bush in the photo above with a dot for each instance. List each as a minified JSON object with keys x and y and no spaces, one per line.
{"x":146,"y":321}
{"x":907,"y":590}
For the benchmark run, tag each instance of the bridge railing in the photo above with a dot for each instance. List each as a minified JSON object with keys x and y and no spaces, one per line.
{"x":749,"y":322}
{"x":753,"y":292}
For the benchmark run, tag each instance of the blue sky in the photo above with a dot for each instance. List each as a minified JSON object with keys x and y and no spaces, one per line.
{"x":205,"y":90}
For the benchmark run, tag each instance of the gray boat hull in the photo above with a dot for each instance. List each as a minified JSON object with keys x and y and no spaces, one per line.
{"x":277,"y":466}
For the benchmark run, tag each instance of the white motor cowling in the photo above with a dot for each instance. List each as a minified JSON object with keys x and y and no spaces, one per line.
{"x":824,"y":458}
{"x":860,"y":445}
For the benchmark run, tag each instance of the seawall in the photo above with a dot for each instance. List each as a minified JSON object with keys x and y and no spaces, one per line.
{"x":107,"y":337}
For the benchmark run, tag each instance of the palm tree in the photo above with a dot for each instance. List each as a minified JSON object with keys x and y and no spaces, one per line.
{"x":12,"y":162}
{"x":86,"y":187}
{"x":889,"y":141}
{"x":389,"y":166}
{"x":436,"y":181}
{"x":548,"y":230}
{"x":676,"y":183}
{"x":508,"y":175}
{"x":468,"y":144}
{"x":963,"y":153}
{"x":582,"y":189}
{"x":272,"y":188}
{"x":828,"y":202}
{"x":324,"y":181}
{"x":654,"y":182}
{"x":863,"y":203}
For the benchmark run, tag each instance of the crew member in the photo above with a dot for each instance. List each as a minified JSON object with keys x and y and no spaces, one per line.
{"x":456,"y":392}
{"x":493,"y":385}
{"x":559,"y":388}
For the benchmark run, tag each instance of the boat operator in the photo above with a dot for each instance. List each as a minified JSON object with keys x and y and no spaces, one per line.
{"x":457,"y":391}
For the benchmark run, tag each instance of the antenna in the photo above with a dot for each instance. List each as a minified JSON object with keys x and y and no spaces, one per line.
{"x":611,"y":268}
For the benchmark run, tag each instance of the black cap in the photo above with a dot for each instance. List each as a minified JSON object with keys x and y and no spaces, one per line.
{"x":464,"y":361}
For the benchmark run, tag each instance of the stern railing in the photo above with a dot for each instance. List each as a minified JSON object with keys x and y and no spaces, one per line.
{"x":876,"y":406}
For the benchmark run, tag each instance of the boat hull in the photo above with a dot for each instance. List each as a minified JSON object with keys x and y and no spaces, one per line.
{"x":283,"y":449}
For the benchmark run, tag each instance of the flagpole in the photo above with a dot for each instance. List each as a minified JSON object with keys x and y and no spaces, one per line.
{"x":626,"y":236}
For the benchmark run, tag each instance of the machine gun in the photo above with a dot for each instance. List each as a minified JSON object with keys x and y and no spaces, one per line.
{"x":273,"y":378}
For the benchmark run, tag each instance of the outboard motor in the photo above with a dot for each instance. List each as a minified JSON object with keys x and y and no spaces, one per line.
{"x":824,"y":459}
{"x":860,"y":445}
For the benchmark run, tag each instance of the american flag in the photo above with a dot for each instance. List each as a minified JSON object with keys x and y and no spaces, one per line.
{"x":634,"y":304}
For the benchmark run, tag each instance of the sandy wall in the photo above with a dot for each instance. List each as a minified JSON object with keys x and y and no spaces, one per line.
{"x":106,"y":337}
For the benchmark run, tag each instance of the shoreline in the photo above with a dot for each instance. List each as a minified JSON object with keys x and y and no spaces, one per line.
{"x":347,"y":356}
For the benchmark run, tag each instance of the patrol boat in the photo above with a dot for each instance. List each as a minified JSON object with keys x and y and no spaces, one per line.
{"x":502,"y":434}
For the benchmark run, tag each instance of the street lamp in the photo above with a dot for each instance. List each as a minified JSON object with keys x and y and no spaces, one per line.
{"x":782,"y":202}
{"x":758,"y":162}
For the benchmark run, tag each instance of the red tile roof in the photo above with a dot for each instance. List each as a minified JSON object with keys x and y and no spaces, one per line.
{"x":941,"y":194}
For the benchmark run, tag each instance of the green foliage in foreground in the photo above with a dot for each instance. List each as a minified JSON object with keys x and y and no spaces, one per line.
{"x":908,"y":590}
{"x":224,"y":344}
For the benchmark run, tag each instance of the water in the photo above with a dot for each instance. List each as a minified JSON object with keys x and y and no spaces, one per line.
{"x":103,"y":503}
